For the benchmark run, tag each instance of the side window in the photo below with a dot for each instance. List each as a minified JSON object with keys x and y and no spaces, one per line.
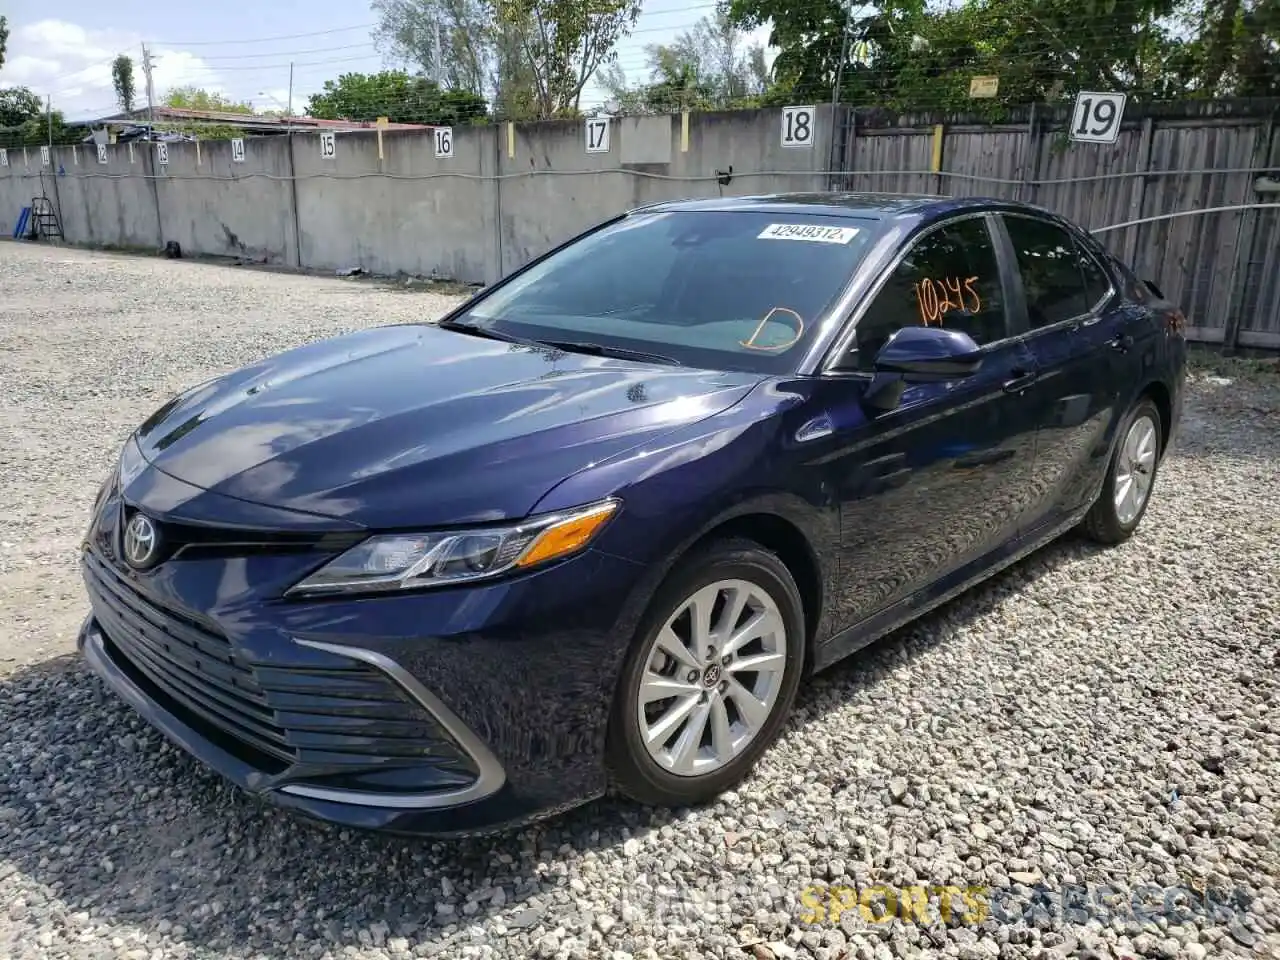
{"x":1096,"y":281}
{"x":1051,"y":273}
{"x":950,"y":278}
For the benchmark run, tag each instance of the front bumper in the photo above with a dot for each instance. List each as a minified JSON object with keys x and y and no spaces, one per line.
{"x":523,"y":691}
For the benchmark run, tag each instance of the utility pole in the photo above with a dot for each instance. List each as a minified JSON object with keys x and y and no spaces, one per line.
{"x":146,"y":70}
{"x":290,"y":96}
{"x":48,"y":108}
{"x":438,"y":60}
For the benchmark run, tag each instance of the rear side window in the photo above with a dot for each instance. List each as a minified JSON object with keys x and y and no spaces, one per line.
{"x":1050,"y":263}
{"x":950,"y":278}
{"x":1096,"y":281}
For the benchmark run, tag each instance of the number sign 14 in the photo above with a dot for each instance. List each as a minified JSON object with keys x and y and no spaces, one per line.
{"x":597,"y":134}
{"x":444,"y":143}
{"x":1097,"y":116}
{"x":237,"y":150}
{"x":797,"y":126}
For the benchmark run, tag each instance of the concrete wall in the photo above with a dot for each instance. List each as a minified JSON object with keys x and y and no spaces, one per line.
{"x":508,"y":193}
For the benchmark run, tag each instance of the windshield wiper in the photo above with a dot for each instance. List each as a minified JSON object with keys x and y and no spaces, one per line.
{"x":476,"y":330}
{"x":600,"y":350}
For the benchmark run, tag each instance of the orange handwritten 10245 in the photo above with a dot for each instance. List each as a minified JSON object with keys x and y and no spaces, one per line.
{"x":936,"y":297}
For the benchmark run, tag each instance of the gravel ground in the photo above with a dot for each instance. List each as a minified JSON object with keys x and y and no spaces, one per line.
{"x":1089,"y":722}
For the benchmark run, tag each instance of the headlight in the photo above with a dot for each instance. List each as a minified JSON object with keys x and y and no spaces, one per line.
{"x":400,"y":561}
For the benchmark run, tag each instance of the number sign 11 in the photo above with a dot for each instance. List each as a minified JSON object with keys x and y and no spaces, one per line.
{"x":1097,"y":116}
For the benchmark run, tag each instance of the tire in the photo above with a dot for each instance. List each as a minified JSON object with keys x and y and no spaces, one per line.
{"x":674,"y":777}
{"x":1106,"y":522}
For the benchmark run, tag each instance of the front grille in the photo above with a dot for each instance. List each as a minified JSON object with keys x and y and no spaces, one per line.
{"x":317,"y":724}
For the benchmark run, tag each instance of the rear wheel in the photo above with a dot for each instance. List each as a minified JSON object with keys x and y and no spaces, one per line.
{"x":1130,"y":477}
{"x":710,"y":678}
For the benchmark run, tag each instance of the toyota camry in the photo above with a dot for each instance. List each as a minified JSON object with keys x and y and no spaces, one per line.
{"x":598,"y":524}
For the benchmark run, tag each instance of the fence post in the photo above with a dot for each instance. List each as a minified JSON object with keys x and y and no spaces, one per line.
{"x":1030,"y":159}
{"x":293,"y":200}
{"x":1246,"y":236}
{"x":1138,"y":196}
{"x":149,"y":171}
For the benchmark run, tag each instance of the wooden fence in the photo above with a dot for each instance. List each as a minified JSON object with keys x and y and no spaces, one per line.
{"x":1222,"y":267}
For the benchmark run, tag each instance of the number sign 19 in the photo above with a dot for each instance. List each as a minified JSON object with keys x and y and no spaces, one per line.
{"x":597,"y":134}
{"x":1096,"y":118}
{"x":102,"y":153}
{"x":797,"y":126}
{"x":237,"y":150}
{"x":444,"y":143}
{"x":328,"y":149}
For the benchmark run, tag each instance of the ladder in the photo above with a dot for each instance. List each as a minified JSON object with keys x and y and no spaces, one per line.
{"x":44,"y":219}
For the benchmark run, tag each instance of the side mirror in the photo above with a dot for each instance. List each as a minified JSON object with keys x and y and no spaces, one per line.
{"x":920,"y":355}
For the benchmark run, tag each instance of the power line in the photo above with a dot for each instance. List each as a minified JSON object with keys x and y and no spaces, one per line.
{"x":239,"y":40}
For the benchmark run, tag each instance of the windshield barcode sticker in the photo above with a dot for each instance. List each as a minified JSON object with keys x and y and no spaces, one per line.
{"x":807,"y":231}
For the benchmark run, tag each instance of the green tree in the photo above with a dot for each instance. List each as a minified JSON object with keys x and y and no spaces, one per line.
{"x":122,"y":81}
{"x":396,"y":95}
{"x":565,"y":42}
{"x":18,"y":105}
{"x":4,"y":37}
{"x":197,"y":98}
{"x":451,"y":39}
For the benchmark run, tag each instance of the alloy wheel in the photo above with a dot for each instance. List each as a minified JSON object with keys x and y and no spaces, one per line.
{"x":712,"y":677}
{"x":1135,"y":469}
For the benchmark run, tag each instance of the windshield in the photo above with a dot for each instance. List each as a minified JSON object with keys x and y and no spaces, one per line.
{"x":732,"y":290}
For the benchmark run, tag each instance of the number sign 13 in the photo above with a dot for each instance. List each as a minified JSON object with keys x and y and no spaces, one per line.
{"x":797,"y":126}
{"x":1097,"y":116}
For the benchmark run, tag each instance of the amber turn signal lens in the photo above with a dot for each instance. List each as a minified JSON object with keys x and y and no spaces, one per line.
{"x":567,"y":536}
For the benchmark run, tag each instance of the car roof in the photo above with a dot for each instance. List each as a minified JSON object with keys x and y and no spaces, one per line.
{"x":863,"y":206}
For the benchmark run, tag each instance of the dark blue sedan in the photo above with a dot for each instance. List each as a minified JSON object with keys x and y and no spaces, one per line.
{"x":600,"y":521}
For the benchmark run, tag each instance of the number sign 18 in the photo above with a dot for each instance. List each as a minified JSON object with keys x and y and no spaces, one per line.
{"x":797,"y":126}
{"x":597,"y":134}
{"x":444,"y":143}
{"x":1097,"y":116}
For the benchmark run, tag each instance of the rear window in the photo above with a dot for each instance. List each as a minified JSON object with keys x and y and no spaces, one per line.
{"x":736,"y":290}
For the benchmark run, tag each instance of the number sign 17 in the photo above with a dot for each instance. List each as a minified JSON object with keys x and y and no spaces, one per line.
{"x":597,"y":134}
{"x":1097,"y":116}
{"x":797,"y":126}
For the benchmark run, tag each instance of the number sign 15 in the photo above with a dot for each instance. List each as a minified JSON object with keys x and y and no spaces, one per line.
{"x":797,"y":126}
{"x":444,"y":143}
{"x":328,"y":148}
{"x":1097,"y":116}
{"x":597,"y":134}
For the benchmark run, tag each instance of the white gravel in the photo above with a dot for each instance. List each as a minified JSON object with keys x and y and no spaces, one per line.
{"x":1090,"y":717}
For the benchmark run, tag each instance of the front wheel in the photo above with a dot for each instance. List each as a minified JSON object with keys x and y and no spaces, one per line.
{"x":1126,"y":492}
{"x":710,"y":677}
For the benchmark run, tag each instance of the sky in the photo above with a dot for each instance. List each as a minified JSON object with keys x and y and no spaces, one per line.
{"x":65,"y":50}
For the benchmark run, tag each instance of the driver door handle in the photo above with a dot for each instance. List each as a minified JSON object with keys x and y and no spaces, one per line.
{"x":1021,"y":380}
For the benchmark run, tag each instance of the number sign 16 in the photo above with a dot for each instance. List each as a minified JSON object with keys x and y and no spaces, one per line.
{"x":797,"y":126}
{"x":597,"y":134}
{"x":444,"y":143}
{"x":1096,"y":118}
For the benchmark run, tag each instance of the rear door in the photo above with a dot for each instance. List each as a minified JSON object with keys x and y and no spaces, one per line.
{"x":1078,"y":338}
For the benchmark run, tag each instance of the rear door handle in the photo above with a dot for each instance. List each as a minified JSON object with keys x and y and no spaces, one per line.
{"x":1021,"y":380}
{"x":1121,"y":342}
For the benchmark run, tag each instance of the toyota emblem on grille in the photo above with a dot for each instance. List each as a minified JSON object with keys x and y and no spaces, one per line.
{"x":141,"y":542}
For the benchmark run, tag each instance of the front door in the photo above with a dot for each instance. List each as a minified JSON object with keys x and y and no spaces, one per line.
{"x":942,"y":479}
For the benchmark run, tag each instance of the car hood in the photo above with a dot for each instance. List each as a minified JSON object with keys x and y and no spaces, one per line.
{"x":415,"y":425}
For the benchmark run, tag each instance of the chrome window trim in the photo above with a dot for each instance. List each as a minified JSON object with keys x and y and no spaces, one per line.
{"x":491,"y":775}
{"x":843,"y":340}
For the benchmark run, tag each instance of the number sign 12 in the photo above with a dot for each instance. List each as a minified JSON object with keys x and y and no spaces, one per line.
{"x":1097,"y":116}
{"x":797,"y":126}
{"x":597,"y":134}
{"x":444,"y":143}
